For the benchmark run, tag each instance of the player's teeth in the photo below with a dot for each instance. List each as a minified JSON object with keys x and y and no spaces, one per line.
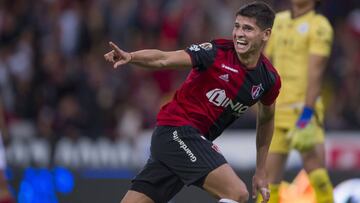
{"x":241,"y":42}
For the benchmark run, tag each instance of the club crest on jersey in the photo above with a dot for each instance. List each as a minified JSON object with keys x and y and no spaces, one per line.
{"x":256,"y":91}
{"x":303,"y":28}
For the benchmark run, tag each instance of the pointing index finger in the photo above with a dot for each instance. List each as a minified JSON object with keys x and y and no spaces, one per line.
{"x":114,"y":46}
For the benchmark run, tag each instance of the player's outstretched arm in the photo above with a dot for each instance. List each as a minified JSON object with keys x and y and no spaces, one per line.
{"x":149,"y":58}
{"x":264,"y":132}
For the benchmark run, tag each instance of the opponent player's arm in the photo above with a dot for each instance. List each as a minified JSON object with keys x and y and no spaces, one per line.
{"x":149,"y":58}
{"x":320,"y":40}
{"x":264,"y":133}
{"x":316,"y":69}
{"x":302,"y":137}
{"x":317,"y":65}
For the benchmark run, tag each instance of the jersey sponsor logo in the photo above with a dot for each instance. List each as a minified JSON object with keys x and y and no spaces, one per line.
{"x":183,"y":146}
{"x":206,"y":46}
{"x":218,"y":98}
{"x":224,"y":77}
{"x":256,"y":91}
{"x":194,"y":47}
{"x":229,"y":68}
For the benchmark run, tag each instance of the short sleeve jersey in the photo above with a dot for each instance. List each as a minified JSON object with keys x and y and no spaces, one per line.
{"x":291,"y":43}
{"x":219,"y":89}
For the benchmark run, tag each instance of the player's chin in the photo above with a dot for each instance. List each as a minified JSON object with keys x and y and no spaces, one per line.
{"x":242,"y":50}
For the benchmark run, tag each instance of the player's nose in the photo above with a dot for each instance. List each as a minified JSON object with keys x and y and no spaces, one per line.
{"x":239,"y":34}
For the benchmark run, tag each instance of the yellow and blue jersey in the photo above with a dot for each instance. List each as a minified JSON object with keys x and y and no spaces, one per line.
{"x":291,"y":43}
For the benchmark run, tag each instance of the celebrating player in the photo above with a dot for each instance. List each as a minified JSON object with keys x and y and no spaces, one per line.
{"x":299,"y":48}
{"x":227,"y":77}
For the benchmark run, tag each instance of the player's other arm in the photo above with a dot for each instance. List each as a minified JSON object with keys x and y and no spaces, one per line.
{"x":148,"y":58}
{"x":264,"y":132}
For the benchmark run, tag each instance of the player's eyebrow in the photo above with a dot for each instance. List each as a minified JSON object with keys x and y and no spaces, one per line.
{"x":244,"y":25}
{"x":247,"y":26}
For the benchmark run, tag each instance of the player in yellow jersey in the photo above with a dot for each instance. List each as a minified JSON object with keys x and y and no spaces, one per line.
{"x":299,"y":48}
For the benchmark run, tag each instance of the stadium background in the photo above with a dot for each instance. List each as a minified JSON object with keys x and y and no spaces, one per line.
{"x":77,"y":129}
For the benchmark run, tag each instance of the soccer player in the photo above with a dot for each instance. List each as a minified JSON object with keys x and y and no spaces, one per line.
{"x":227,"y":77}
{"x":299,"y":48}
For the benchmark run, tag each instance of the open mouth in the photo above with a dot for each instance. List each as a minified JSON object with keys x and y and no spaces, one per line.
{"x":241,"y":43}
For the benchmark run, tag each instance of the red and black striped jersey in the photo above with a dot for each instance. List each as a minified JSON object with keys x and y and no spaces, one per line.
{"x":219,"y":89}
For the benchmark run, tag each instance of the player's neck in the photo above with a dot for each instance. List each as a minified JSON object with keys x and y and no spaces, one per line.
{"x":301,"y":9}
{"x":249,"y":60}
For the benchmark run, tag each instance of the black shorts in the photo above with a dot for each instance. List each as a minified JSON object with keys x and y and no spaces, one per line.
{"x":179,"y":156}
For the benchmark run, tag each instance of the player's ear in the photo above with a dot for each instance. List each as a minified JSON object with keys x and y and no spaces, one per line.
{"x":266,"y":34}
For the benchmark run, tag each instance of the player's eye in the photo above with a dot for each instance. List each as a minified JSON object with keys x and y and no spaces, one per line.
{"x":247,"y":28}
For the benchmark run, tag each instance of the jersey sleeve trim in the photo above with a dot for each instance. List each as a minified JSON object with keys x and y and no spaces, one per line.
{"x":202,"y":55}
{"x":270,"y":97}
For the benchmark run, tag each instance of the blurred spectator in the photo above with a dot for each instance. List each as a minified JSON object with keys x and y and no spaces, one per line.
{"x":53,"y":78}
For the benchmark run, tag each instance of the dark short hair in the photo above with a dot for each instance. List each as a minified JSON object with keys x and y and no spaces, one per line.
{"x":261,"y":11}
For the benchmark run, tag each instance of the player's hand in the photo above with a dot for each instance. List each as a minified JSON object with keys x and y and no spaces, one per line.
{"x":260,"y":184}
{"x":117,"y":56}
{"x":303,"y":135}
{"x":303,"y":139}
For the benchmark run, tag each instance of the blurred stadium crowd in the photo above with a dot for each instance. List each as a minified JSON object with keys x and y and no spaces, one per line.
{"x":54,"y":81}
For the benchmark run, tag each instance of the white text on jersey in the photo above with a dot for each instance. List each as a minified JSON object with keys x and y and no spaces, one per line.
{"x":229,"y":68}
{"x":218,"y":98}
